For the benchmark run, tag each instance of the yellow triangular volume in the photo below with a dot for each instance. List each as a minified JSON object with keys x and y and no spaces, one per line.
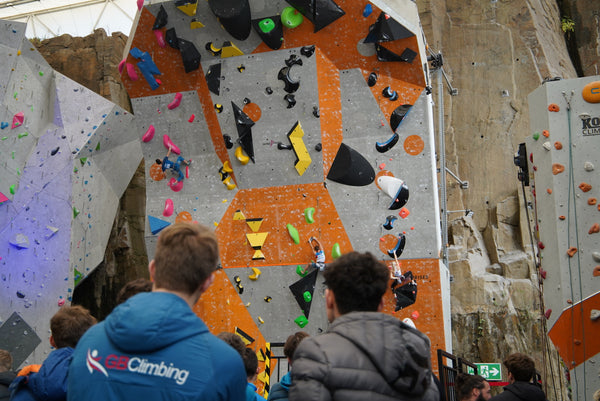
{"x":189,"y":7}
{"x":303,"y":159}
{"x":238,"y":215}
{"x":246,"y":338}
{"x":257,"y":240}
{"x":230,"y":50}
{"x":254,"y":224}
{"x":258,"y":255}
{"x":196,"y":24}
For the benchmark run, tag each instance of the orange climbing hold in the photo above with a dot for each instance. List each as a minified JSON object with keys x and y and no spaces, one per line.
{"x":156,"y":172}
{"x":592,"y":201}
{"x":557,"y":168}
{"x":546,"y":133}
{"x":571,"y":251}
{"x":553,"y":107}
{"x":585,"y":187}
{"x":558,"y":145}
{"x":594,"y":229}
{"x":596,"y":272}
{"x":549,"y":190}
{"x":183,"y":217}
{"x":561,"y":217}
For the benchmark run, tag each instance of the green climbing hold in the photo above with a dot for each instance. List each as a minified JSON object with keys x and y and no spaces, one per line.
{"x":75,"y":212}
{"x":75,"y":169}
{"x":83,"y":160}
{"x":98,"y":146}
{"x":266,"y":25}
{"x":301,"y":321}
{"x":293,"y":233}
{"x":41,"y":73}
{"x":12,"y":189}
{"x":309,"y":215}
{"x":299,"y":271}
{"x":307,"y":296}
{"x":291,"y":18}
{"x":536,"y":135}
{"x":22,"y":135}
{"x":77,"y":276}
{"x":335,"y":251}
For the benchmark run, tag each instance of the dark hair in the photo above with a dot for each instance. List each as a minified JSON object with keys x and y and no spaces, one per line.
{"x":358,"y":281}
{"x":6,"y":360}
{"x":132,"y":288}
{"x":234,"y":341}
{"x":521,"y":366}
{"x":186,"y":255}
{"x":250,"y":362}
{"x":69,"y":324}
{"x":466,"y":383}
{"x":292,"y":343}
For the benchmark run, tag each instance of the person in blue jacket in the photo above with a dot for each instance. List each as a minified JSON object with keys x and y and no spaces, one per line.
{"x":49,"y":383}
{"x":153,"y":346}
{"x":279,"y":391}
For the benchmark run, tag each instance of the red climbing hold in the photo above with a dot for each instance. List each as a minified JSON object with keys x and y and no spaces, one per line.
{"x":175,"y":103}
{"x":122,"y":65}
{"x":541,"y":245}
{"x":160,"y":37}
{"x":548,"y":313}
{"x":18,"y":120}
{"x":553,"y":107}
{"x":175,"y":185}
{"x":170,"y":145}
{"x":149,"y":134}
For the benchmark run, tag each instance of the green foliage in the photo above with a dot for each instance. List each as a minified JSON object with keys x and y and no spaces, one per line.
{"x":567,"y":25}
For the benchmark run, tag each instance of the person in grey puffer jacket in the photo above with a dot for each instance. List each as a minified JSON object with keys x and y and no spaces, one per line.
{"x":365,"y":354}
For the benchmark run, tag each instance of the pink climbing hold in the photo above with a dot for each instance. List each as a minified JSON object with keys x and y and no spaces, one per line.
{"x":168,"y":208}
{"x":170,"y":145}
{"x":61,"y":302}
{"x":3,"y":198}
{"x":191,"y":119}
{"x":140,"y":4}
{"x":382,"y":166}
{"x":548,"y":313}
{"x":149,"y":134}
{"x":187,"y":171}
{"x":175,"y":185}
{"x":18,"y":120}
{"x":131,"y":72}
{"x":175,"y":103}
{"x":160,"y":37}
{"x":122,"y":65}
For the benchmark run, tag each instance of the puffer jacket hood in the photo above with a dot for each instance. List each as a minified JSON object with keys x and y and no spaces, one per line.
{"x":134,"y":330}
{"x":399,"y":352}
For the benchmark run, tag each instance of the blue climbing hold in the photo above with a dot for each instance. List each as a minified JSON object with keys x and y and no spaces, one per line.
{"x":389,"y":222}
{"x":368,"y":10}
{"x":157,"y":225}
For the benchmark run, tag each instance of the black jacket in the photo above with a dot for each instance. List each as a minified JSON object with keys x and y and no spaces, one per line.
{"x":520,"y":391}
{"x":5,"y":379}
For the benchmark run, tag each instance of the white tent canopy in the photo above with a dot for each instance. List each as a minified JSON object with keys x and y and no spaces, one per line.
{"x":50,"y":18}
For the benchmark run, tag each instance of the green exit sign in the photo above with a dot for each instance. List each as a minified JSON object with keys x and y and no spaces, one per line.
{"x":489,"y":371}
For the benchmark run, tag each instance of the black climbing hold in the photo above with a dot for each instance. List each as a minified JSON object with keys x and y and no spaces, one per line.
{"x":213,"y":78}
{"x":408,"y":55}
{"x":228,"y":142}
{"x":269,"y":90}
{"x":293,"y":60}
{"x":398,"y":115}
{"x":240,"y":289}
{"x":219,"y":108}
{"x":189,"y":55}
{"x":241,"y":68}
{"x":316,"y":112}
{"x":389,"y":222}
{"x":161,"y":18}
{"x":20,"y":294}
{"x":401,"y":198}
{"x":268,"y":299}
{"x":244,"y":127}
{"x":171,"y":38}
{"x":351,"y":168}
{"x":282,"y":146}
{"x":234,"y":16}
{"x":270,"y":30}
{"x":54,"y":151}
{"x":399,"y":248}
{"x":223,"y":174}
{"x":384,"y":54}
{"x":237,"y":279}
{"x":306,"y":283}
{"x":307,"y":51}
{"x":388,"y":92}
{"x":383,"y":147}
{"x":386,"y":29}
{"x":318,"y":147}
{"x":372,"y":80}
{"x":320,"y":12}
{"x":247,"y":101}
{"x":290,"y":99}
{"x":214,"y":50}
{"x":291,"y":85}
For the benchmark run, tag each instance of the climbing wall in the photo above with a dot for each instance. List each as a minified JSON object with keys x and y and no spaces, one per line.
{"x":563,"y":159}
{"x":294,"y":130}
{"x":67,"y":157}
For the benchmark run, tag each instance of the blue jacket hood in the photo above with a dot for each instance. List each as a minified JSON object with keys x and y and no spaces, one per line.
{"x":286,"y":381}
{"x":133,"y":329}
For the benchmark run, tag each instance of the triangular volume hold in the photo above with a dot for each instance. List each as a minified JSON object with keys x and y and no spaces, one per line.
{"x":157,"y":225}
{"x":234,"y":16}
{"x":351,"y":168}
{"x":270,"y":30}
{"x":187,"y":6}
{"x":305,"y":284}
{"x":254,"y":224}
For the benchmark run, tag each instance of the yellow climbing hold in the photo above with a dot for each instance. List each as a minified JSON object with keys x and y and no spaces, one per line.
{"x":238,"y":215}
{"x":303,"y":159}
{"x":239,"y":154}
{"x":255,"y":273}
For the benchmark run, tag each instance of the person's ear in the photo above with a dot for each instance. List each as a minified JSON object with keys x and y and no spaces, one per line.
{"x":52,"y":343}
{"x":151,"y":269}
{"x":329,"y":298}
{"x":207,"y":283}
{"x":381,"y":305}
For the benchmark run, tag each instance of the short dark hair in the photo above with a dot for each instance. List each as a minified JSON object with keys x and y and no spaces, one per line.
{"x":358,"y":281}
{"x":521,"y":366}
{"x":250,"y":362}
{"x":234,"y":341}
{"x":132,"y":288}
{"x":292,"y":343}
{"x":186,"y":255}
{"x":69,"y":324}
{"x":466,"y":383}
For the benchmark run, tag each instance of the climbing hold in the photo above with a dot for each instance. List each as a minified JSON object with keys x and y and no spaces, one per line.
{"x":75,"y":212}
{"x":367,"y":10}
{"x":147,"y":137}
{"x":230,"y":50}
{"x":19,"y":241}
{"x":160,"y":37}
{"x":216,"y":51}
{"x":241,"y":68}
{"x":191,"y":119}
{"x":255,"y":274}
{"x":389,"y":222}
{"x":596,"y":256}
{"x":260,"y":320}
{"x":156,"y":224}
{"x":381,"y":166}
{"x":170,"y":145}
{"x":395,"y":188}
{"x":213,"y":79}
{"x":175,"y":185}
{"x":240,"y":289}
{"x":591,"y":92}
{"x":548,"y":313}
{"x":291,"y":84}
{"x":267,"y":299}
{"x":318,"y":147}
{"x":61,"y":301}
{"x":547,"y":146}
{"x":307,"y":297}
{"x":270,"y":30}
{"x":549,"y":190}
{"x":257,"y":240}
{"x":389,"y":93}
{"x":175,"y":103}
{"x":18,"y":120}
{"x":592,"y":201}
{"x":335,"y":251}
{"x":351,"y":168}
{"x":383,"y":147}
{"x":268,"y":90}
{"x":301,"y":321}
{"x":415,"y":315}
{"x":546,"y":133}
{"x":122,"y":65}
{"x":237,"y":279}
{"x":585,"y":187}
{"x":4,"y":124}
{"x":303,"y":159}
{"x":397,"y":250}
{"x":553,"y":107}
{"x":372,"y":79}
{"x":140,"y":4}
{"x":596,"y":272}
{"x":293,"y":232}
{"x":293,"y":60}
{"x":299,"y":271}
{"x":291,"y":18}
{"x":557,"y":168}
{"x":588,"y":166}
{"x":316,"y":112}
{"x":541,"y":245}
{"x":20,"y":294}
{"x":228,"y":141}
{"x":558,"y":145}
{"x":536,"y":135}
{"x":239,"y":215}
{"x":168,"y":210}
{"x":188,"y":7}
{"x":594,"y":229}
{"x":54,"y":151}
{"x":561,"y":217}
{"x":161,"y":19}
{"x":543,"y":273}
{"x":239,"y":154}
{"x":131,"y":72}
{"x":234,"y":17}
{"x":309,"y":215}
{"x":254,"y":224}
{"x":398,"y":115}
{"x":290,"y":99}
{"x":308,"y":51}
{"x":228,"y":183}
{"x":571,"y":251}
{"x":404,"y":212}
{"x":195,"y":24}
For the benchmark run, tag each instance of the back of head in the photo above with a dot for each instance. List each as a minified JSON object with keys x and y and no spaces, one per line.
{"x":464,"y":385}
{"x":234,"y":341}
{"x":521,"y":366}
{"x":250,"y":362}
{"x":6,"y":361}
{"x":69,"y":324}
{"x":132,"y":288}
{"x":292,"y":343}
{"x":358,"y":281}
{"x":186,"y":255}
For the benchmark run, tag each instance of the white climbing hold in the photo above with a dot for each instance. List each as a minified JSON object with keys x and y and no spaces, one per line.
{"x":594,"y":314}
{"x":547,"y":146}
{"x":596,"y":256}
{"x":53,"y":230}
{"x":20,"y":241}
{"x":588,"y":166}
